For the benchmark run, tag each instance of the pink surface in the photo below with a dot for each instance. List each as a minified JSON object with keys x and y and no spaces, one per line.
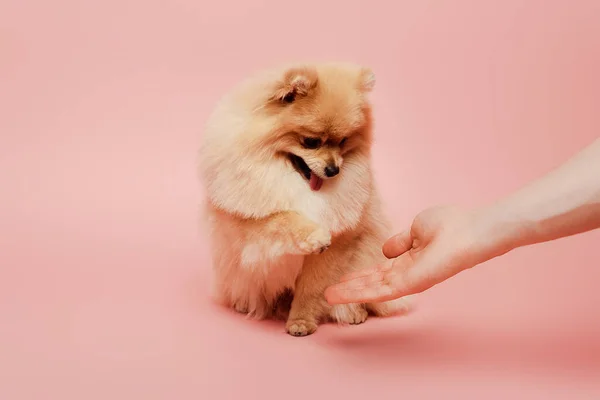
{"x":103,"y":275}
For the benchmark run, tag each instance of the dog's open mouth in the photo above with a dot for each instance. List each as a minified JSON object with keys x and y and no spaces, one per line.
{"x":303,"y":169}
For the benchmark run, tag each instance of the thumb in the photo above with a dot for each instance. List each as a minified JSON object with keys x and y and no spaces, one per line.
{"x":397,"y":244}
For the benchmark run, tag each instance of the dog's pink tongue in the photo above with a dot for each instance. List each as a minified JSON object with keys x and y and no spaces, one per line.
{"x":315,"y":182}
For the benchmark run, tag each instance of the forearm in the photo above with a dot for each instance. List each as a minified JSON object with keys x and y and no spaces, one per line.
{"x":562,"y":203}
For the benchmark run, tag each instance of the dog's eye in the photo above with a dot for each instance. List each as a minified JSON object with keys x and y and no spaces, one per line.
{"x":311,"y":143}
{"x":343,"y":142}
{"x":289,"y":98}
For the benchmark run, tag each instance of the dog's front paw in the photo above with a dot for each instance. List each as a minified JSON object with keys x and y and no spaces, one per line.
{"x":300,"y":327}
{"x":313,"y":241}
{"x":240,"y":307}
{"x":352,"y":314}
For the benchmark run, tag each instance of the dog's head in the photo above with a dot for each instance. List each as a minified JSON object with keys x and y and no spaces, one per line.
{"x":322,"y":116}
{"x":315,"y":119}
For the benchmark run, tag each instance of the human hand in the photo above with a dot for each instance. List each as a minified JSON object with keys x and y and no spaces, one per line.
{"x":446,"y":240}
{"x":441,"y":242}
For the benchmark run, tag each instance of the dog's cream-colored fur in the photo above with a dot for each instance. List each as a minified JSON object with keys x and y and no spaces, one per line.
{"x":277,"y":242}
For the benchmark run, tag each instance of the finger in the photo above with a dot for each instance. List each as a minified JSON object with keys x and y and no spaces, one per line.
{"x":405,"y":277}
{"x":359,"y":290}
{"x":366,"y":272}
{"x":397,"y":244}
{"x":375,"y":286}
{"x":359,"y":274}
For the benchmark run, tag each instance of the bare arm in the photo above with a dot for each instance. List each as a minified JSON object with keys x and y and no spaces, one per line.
{"x":562,"y":203}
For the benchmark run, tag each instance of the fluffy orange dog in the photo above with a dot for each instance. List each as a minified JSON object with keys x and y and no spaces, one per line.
{"x":290,"y":195}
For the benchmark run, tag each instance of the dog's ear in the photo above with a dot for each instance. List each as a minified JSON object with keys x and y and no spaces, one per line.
{"x":296,"y":82}
{"x":367,"y":80}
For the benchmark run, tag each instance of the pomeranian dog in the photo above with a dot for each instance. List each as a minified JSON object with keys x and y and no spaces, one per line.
{"x":290,"y":198}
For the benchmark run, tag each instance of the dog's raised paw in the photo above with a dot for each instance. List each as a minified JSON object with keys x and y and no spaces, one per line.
{"x":316,"y":242}
{"x":300,"y":327}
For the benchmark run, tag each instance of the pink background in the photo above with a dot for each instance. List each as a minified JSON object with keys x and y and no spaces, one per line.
{"x":104,"y":276}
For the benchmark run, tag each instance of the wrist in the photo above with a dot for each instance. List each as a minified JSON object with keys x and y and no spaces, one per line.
{"x":497,"y":231}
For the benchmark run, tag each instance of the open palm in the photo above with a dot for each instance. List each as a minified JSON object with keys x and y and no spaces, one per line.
{"x":438,"y":245}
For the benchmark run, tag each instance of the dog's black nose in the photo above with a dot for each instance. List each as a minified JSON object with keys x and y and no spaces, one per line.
{"x":331,"y":170}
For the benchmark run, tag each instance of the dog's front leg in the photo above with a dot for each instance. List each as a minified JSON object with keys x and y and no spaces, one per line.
{"x":309,"y":306}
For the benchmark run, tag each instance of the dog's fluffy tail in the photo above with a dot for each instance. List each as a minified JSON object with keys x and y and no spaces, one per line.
{"x":403,"y":305}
